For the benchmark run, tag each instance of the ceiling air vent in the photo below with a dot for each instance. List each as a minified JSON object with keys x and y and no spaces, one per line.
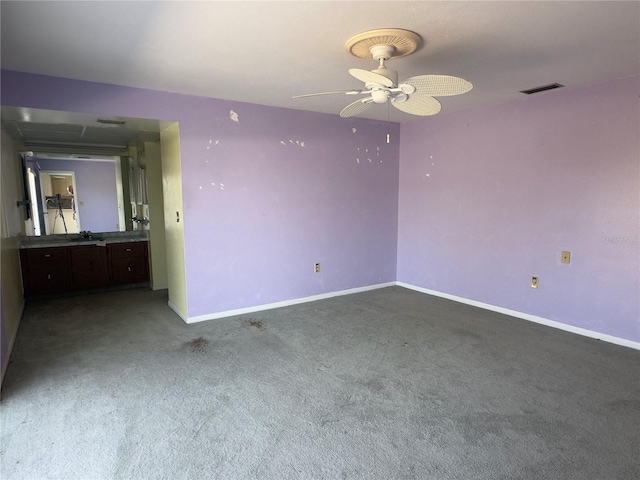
{"x":107,"y":121}
{"x":543,"y":88}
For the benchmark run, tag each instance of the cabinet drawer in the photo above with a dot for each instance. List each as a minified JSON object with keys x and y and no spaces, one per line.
{"x":36,"y":255}
{"x":128,"y":249}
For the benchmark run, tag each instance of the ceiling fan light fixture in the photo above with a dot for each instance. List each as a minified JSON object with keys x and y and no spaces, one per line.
{"x":380,"y":96}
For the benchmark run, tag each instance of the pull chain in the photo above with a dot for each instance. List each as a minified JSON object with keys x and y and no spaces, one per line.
{"x":388,"y":114}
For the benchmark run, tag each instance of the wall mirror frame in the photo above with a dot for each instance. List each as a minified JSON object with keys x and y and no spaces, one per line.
{"x":67,"y":193}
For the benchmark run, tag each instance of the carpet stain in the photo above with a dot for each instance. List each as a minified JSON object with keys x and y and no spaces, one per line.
{"x":197,"y":345}
{"x":254,"y":323}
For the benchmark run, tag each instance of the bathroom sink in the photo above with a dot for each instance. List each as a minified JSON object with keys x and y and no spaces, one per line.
{"x":87,"y":239}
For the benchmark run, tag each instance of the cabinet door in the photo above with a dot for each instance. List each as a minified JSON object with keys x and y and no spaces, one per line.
{"x":89,"y":266}
{"x":45,"y":270}
{"x":129,"y":262}
{"x":49,"y":277}
{"x":129,"y":269}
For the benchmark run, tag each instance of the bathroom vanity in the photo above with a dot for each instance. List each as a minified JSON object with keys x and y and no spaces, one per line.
{"x":68,"y":263}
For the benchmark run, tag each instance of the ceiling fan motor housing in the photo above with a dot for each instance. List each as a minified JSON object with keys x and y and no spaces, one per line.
{"x":390,"y":74}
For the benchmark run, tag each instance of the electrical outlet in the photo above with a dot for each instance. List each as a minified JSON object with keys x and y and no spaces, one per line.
{"x":565,"y":257}
{"x":316,"y":267}
{"x":534,"y":282}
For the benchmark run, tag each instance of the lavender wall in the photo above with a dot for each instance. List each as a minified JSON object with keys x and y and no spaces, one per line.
{"x":96,"y":196}
{"x":490,"y":197}
{"x":276,"y":192}
{"x":297,"y":188}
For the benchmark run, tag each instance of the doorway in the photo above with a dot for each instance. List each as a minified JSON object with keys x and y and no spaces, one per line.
{"x":59,"y":202}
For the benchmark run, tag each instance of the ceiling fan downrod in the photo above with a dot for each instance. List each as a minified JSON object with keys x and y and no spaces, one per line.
{"x":382,"y":53}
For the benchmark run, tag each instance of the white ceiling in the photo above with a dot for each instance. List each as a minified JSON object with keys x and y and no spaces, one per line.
{"x":266,"y":52}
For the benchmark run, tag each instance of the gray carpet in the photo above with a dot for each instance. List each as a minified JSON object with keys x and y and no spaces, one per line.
{"x":387,"y":384}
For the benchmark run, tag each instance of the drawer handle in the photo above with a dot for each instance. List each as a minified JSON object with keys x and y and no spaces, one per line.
{"x":129,"y":268}
{"x":48,"y":276}
{"x":128,"y":250}
{"x":47,"y":255}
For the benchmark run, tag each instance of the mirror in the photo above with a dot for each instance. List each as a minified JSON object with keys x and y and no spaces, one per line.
{"x":70,"y":193}
{"x":109,"y":191}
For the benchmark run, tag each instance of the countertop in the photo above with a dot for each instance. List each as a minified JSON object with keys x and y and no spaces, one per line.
{"x":97,"y":239}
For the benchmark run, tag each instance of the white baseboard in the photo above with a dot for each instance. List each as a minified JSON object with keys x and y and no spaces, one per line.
{"x":285,"y":303}
{"x":177,"y":311}
{"x":10,"y":344}
{"x":160,"y":287}
{"x":526,"y":316}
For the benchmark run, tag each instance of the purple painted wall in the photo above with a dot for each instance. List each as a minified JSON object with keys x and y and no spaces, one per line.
{"x":278,"y":191}
{"x":490,"y":197}
{"x":96,"y":196}
{"x":508,"y":188}
{"x":282,"y":205}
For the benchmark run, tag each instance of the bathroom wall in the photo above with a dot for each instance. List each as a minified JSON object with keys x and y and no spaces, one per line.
{"x":490,"y":197}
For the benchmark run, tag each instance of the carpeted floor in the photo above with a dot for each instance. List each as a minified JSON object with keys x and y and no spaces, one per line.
{"x":387,"y":384}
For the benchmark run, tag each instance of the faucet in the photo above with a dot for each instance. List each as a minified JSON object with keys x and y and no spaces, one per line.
{"x":85,"y":234}
{"x":142,"y":220}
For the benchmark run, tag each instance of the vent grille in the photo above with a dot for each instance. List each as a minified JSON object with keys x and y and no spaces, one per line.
{"x":110,"y":122}
{"x":543,"y":88}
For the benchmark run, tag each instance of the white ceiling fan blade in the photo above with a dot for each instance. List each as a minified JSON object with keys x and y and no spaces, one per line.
{"x":356,"y":107}
{"x":439,"y":85}
{"x":370,"y":77}
{"x":418,"y":105}
{"x":347,"y":92}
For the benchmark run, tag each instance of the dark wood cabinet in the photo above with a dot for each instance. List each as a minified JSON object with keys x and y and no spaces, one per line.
{"x":129,"y":262}
{"x":46,"y":270}
{"x":89,"y":266}
{"x":72,"y":268}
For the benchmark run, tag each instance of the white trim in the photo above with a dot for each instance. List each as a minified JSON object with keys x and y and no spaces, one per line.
{"x":178,"y":312}
{"x":160,"y":287}
{"x":11,"y":343}
{"x":526,"y":316}
{"x":285,"y":303}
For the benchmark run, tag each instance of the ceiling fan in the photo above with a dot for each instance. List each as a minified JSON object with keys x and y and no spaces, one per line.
{"x":415,"y":95}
